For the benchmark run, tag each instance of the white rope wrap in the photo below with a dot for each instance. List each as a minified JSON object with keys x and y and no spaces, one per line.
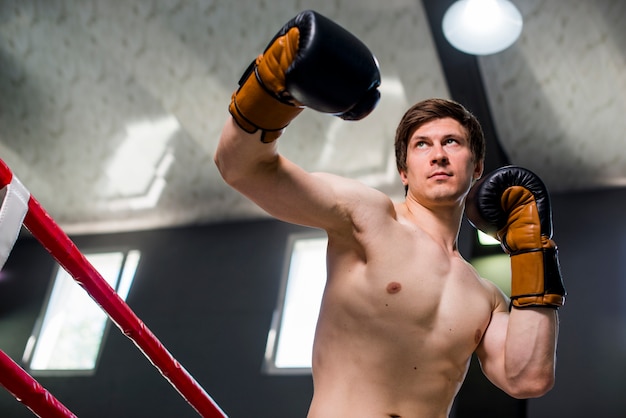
{"x":12,"y":213}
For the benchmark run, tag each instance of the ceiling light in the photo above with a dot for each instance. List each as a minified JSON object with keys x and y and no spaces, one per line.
{"x":482,"y":27}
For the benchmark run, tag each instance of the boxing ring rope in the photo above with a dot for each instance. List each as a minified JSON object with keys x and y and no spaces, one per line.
{"x":28,"y":391}
{"x":65,"y":252}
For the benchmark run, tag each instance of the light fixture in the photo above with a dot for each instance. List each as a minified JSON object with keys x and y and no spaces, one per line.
{"x":482,"y":27}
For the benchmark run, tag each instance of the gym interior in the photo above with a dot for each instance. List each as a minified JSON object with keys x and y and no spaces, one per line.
{"x":78,"y":80}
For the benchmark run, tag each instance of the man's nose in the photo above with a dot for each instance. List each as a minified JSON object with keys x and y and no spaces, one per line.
{"x":439,"y":155}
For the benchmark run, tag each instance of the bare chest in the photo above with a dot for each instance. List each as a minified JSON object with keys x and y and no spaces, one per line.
{"x":413,"y":293}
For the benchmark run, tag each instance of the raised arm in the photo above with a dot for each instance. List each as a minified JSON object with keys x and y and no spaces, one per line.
{"x":277,"y":185}
{"x":311,"y":62}
{"x":518,"y":350}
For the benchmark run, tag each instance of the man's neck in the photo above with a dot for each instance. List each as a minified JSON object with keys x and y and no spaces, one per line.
{"x":441,"y":222}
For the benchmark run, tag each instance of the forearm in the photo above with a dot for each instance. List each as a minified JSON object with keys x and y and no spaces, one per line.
{"x":530,"y":351}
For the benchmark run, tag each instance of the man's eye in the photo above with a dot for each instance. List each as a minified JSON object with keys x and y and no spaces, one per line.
{"x":451,"y":141}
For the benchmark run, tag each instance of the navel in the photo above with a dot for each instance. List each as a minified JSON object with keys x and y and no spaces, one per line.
{"x":394,"y":287}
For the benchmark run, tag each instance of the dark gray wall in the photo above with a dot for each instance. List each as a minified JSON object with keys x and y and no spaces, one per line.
{"x":208,"y":294}
{"x":590,"y":229}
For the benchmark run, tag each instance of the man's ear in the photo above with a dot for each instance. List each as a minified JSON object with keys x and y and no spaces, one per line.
{"x":403,"y":177}
{"x":478,"y":170}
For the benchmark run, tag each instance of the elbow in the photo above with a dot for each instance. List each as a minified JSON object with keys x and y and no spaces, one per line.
{"x":219,"y":165}
{"x":531,"y":386}
{"x":240,"y":167}
{"x":228,"y":174}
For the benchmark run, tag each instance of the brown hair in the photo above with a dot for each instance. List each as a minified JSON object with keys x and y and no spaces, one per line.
{"x":429,"y":110}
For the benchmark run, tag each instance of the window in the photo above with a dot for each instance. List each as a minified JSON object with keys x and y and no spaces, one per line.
{"x":68,"y":336}
{"x":491,"y":262}
{"x":485,"y":239}
{"x":290,"y":340}
{"x":495,"y":268}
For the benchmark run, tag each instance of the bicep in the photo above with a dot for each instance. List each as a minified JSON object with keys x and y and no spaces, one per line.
{"x":491,"y":350}
{"x":319,"y":200}
{"x":275,"y":184}
{"x":517,"y":353}
{"x":294,"y":195}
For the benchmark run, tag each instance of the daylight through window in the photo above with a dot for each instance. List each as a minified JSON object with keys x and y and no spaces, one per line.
{"x":290,"y":340}
{"x":71,"y":328}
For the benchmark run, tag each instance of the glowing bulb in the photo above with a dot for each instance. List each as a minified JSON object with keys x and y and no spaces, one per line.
{"x":482,"y":27}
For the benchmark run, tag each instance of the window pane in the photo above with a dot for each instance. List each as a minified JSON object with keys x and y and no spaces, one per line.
{"x":73,"y":324}
{"x":128,"y":273}
{"x":496,"y":268}
{"x":299,"y":311}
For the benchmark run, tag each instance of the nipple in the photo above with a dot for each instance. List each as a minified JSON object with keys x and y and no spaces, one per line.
{"x":478,"y":336}
{"x":394,"y":287}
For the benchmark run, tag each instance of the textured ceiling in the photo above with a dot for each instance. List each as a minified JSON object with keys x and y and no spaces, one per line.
{"x":558,"y":95}
{"x":110,"y":111}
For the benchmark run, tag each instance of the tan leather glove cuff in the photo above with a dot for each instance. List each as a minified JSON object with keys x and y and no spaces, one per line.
{"x":528,"y":281}
{"x":254,"y":108}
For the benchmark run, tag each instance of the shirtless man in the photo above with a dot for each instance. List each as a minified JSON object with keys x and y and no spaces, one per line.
{"x":402,"y":312}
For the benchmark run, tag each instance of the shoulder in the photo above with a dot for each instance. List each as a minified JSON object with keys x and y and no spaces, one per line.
{"x":355,"y":196}
{"x":499,"y":301}
{"x":494,"y":336}
{"x":359,"y":207}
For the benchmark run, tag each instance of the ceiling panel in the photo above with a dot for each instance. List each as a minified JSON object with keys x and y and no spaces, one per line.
{"x":110,"y":111}
{"x":558,"y":96}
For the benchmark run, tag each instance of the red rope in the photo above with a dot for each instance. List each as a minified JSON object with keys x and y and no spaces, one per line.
{"x":59,"y":245}
{"x":28,"y":391}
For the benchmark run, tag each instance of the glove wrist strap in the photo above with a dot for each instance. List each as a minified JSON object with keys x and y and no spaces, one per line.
{"x":536,"y":279}
{"x":253,"y":108}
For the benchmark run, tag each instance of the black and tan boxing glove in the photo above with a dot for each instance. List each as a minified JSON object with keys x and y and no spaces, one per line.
{"x":512,"y":204}
{"x":311,"y":62}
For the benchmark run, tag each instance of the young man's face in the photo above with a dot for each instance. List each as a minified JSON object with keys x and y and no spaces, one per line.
{"x":440,"y":163}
